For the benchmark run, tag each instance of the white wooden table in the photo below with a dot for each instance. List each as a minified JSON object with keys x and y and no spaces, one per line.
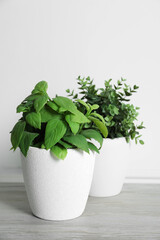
{"x":132,"y":215}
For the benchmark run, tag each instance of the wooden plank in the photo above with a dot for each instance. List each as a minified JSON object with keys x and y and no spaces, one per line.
{"x":133,"y":214}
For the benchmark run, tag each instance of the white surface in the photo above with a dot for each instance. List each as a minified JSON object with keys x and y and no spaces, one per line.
{"x":57,"y":189}
{"x":110,"y":168}
{"x":59,"y":40}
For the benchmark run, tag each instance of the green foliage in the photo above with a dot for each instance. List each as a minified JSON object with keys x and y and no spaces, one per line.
{"x":66,"y":104}
{"x":73,"y":125}
{"x":93,"y":134}
{"x":55,"y":130}
{"x":17,"y":133}
{"x":26,"y":141}
{"x":41,"y":86}
{"x":59,"y":151}
{"x":40,"y":102}
{"x":34,"y":119}
{"x":114,"y":110}
{"x":78,"y":141}
{"x":56,"y":124}
{"x":47,"y":114}
{"x":93,"y":147}
{"x":100,"y":125}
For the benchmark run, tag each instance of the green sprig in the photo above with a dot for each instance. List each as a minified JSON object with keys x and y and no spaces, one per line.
{"x":113,"y":100}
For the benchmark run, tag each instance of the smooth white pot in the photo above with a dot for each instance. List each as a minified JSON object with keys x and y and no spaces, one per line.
{"x":110,"y":168}
{"x":57,"y":189}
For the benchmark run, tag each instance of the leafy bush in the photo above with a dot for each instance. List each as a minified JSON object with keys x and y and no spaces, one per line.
{"x":54,"y":124}
{"x":113,"y":105}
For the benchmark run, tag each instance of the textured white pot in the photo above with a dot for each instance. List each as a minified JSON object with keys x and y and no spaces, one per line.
{"x":57,"y":189}
{"x":110,"y":168}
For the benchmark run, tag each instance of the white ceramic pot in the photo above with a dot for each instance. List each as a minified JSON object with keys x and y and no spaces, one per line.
{"x":57,"y":189}
{"x":110,"y":168}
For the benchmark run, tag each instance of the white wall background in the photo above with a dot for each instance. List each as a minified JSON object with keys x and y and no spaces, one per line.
{"x":57,"y":40}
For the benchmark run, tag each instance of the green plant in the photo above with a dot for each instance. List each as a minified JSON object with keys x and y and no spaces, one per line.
{"x":54,"y":124}
{"x":113,"y":105}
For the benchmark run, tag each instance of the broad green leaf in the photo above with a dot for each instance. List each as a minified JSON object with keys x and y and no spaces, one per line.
{"x":78,"y":140}
{"x":24,"y":107}
{"x":59,"y":152}
{"x":98,"y":116}
{"x":103,"y":129}
{"x":93,"y":147}
{"x":41,"y":86}
{"x":79,"y":118}
{"x":32,"y":97}
{"x":84,"y":104}
{"x":65,"y":144}
{"x":73,"y":125}
{"x":40,"y":102}
{"x":66,"y":104}
{"x":26,"y":141}
{"x":53,"y":106}
{"x":47,"y":114}
{"x":55,"y":130}
{"x":61,"y":110}
{"x":34,"y":119}
{"x":16,"y":133}
{"x":91,"y":133}
{"x":21,"y":108}
{"x":35,"y":91}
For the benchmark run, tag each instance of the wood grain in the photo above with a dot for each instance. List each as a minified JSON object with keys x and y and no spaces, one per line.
{"x":132,"y":215}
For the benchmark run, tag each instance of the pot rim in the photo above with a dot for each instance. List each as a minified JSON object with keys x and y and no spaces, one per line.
{"x":68,"y":150}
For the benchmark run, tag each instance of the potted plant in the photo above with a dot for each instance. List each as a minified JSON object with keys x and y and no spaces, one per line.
{"x":49,"y":131}
{"x":120,"y":117}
